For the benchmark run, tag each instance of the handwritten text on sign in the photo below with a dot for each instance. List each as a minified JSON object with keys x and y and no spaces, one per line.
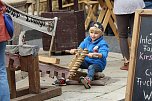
{"x":145,"y":55}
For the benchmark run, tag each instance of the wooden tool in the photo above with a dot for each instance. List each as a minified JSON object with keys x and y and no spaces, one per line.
{"x":76,"y":62}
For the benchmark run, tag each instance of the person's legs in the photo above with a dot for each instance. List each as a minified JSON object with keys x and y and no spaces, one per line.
{"x":84,"y":65}
{"x":86,"y":81}
{"x":4,"y":88}
{"x":123,"y":22}
{"x":4,"y":98}
{"x":131,"y":23}
{"x":92,"y":69}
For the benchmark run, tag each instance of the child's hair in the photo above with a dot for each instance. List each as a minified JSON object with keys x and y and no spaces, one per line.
{"x":97,"y":25}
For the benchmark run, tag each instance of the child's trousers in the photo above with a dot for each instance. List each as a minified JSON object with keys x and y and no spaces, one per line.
{"x":91,"y":69}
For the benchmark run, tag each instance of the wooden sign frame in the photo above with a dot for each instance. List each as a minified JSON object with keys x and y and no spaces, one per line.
{"x":135,"y":38}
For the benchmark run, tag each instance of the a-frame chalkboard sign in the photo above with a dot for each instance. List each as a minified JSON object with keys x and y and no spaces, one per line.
{"x":139,"y":85}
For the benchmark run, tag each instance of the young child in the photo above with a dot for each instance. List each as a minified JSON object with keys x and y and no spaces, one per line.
{"x":95,"y":60}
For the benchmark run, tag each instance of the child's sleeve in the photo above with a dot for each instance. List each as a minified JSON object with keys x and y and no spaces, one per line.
{"x":104,"y":49}
{"x":82,"y":45}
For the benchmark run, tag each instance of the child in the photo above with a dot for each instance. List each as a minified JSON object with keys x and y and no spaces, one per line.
{"x":95,"y":60}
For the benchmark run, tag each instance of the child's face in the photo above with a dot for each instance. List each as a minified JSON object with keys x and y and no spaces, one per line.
{"x":95,"y":33}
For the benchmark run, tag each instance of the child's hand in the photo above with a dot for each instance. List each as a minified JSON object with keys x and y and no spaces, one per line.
{"x":94,"y":55}
{"x":90,"y":55}
{"x":73,"y":51}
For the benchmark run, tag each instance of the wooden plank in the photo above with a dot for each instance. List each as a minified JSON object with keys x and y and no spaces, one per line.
{"x":113,"y":27}
{"x":132,"y":64}
{"x":11,"y":78}
{"x":88,"y":2}
{"x":88,"y":18}
{"x":46,"y":93}
{"x":81,"y":2}
{"x":33,"y":74}
{"x":110,"y":7}
{"x":101,"y":3}
{"x":95,"y":9}
{"x":71,"y":4}
{"x":106,"y":19}
{"x":48,"y":60}
{"x":102,"y":14}
{"x":90,"y":15}
{"x":22,"y":91}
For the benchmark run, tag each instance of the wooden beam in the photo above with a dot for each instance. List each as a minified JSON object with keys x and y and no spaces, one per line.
{"x":106,"y":19}
{"x":46,"y":93}
{"x":113,"y":27}
{"x":110,"y":7}
{"x":102,"y":14}
{"x":49,"y":60}
{"x":101,"y":3}
{"x":11,"y":78}
{"x":38,"y":7}
{"x":90,"y":15}
{"x":49,"y":5}
{"x":33,"y":74}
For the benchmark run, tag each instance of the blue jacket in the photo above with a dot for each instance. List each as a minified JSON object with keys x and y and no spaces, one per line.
{"x":102,"y":48}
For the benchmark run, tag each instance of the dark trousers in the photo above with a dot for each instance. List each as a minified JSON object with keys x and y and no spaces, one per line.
{"x":125,"y":27}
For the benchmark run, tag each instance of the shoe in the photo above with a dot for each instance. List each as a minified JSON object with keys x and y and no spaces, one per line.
{"x":60,"y":82}
{"x":86,"y":82}
{"x":125,"y":67}
{"x":98,"y":75}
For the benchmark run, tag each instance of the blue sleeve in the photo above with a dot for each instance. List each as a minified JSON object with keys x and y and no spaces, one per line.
{"x":104,"y":49}
{"x":82,"y":45}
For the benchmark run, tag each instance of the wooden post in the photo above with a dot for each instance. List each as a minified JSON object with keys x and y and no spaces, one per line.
{"x":51,"y":45}
{"x":38,"y":7}
{"x":60,"y":4}
{"x":49,"y":5}
{"x":31,"y":65}
{"x":33,"y":73}
{"x":33,"y":7}
{"x":76,"y":5}
{"x":11,"y":78}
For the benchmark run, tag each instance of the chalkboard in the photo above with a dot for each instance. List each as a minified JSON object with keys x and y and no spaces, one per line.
{"x":139,"y":85}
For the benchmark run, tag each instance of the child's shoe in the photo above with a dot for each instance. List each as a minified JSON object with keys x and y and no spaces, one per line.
{"x":86,"y":82}
{"x":98,"y":75}
{"x":60,"y":82}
